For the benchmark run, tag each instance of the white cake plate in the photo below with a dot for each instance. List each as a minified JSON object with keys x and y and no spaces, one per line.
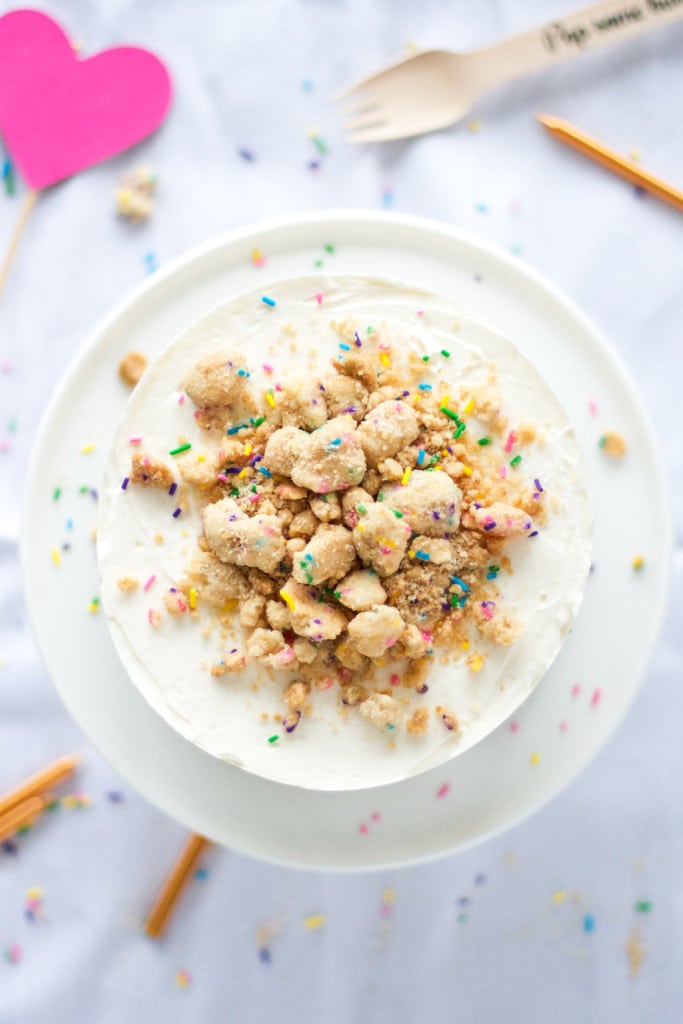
{"x":517,"y":768}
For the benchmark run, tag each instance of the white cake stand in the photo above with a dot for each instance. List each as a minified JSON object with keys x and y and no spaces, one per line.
{"x":518,"y":767}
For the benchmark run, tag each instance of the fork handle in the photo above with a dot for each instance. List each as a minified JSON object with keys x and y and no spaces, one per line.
{"x":589,"y":29}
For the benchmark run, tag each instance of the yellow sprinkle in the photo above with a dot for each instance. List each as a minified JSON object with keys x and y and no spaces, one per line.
{"x":360,"y":527}
{"x":288,"y":599}
{"x":248,"y":449}
{"x":476,"y":663}
{"x":384,"y":359}
{"x":634,"y":154}
{"x":444,"y":454}
{"x":535,"y":758}
{"x":242,"y":473}
{"x":388,"y":896}
{"x":473,"y":126}
{"x":94,"y":607}
{"x":270,"y":400}
{"x":638,"y":562}
{"x":87,"y":449}
{"x":411,"y":553}
{"x":560,"y":896}
{"x":56,"y":557}
{"x":407,"y":473}
{"x":465,"y":644}
{"x":314,"y":922}
{"x":34,"y":893}
{"x":445,"y":400}
{"x":467,"y":471}
{"x":193,"y":598}
{"x":201,"y":458}
{"x":468,"y":406}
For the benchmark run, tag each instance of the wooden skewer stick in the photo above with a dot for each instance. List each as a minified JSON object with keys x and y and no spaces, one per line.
{"x":23,"y":814}
{"x":50,"y":776}
{"x":619,"y":165}
{"x":25,"y":213}
{"x":165,"y":902}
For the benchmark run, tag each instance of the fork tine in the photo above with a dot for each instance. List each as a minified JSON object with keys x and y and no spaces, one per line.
{"x":367,"y":121}
{"x":353,"y":88}
{"x":379,"y":132}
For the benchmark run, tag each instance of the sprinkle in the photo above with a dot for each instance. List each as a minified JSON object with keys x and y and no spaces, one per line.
{"x":154,"y":617}
{"x":288,"y":599}
{"x":638,"y":563}
{"x":443,"y":790}
{"x":319,"y":143}
{"x":335,"y":443}
{"x":94,"y":606}
{"x":595,"y":699}
{"x":468,"y":406}
{"x":193,"y":598}
{"x":264,"y":471}
{"x":257,"y":257}
{"x":407,"y":473}
{"x":56,"y":493}
{"x":476,"y":663}
{"x":461,"y":430}
{"x":176,"y":513}
{"x":537,"y":485}
{"x":384,"y":359}
{"x":125,"y":482}
{"x":181,"y":448}
{"x":422,"y":555}
{"x":449,"y":412}
{"x":258,"y":421}
{"x":425,"y":387}
{"x":314,"y":922}
{"x":183,"y":978}
{"x":273,"y":739}
{"x":643,"y":907}
{"x":267,"y":301}
{"x":425,"y":359}
{"x":87,"y":449}
{"x":516,"y":461}
{"x":535,"y":758}
{"x":467,"y":471}
{"x":593,"y":407}
{"x":13,"y":954}
{"x":460,"y":583}
{"x":588,"y":923}
{"x":347,"y":348}
{"x":399,"y":515}
{"x":559,"y":897}
{"x":484,"y":441}
{"x":394,"y":679}
{"x":533,"y":534}
{"x":270,"y":400}
{"x":56,"y":557}
{"x":149,"y":583}
{"x":445,"y":353}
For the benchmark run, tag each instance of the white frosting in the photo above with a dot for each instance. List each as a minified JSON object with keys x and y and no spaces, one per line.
{"x":169,"y":663}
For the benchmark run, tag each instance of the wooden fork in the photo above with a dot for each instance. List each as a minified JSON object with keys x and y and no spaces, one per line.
{"x":437,"y":88}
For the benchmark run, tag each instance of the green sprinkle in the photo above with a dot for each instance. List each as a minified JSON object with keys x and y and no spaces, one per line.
{"x":461,"y":430}
{"x":425,"y":359}
{"x":180,"y":448}
{"x":494,"y":568}
{"x":484,"y":441}
{"x":516,"y":461}
{"x":258,"y":421}
{"x":399,"y":515}
{"x":370,"y":330}
{"x":454,"y":600}
{"x":336,"y":593}
{"x":329,"y":248}
{"x":445,"y":353}
{"x":273,"y":739}
{"x":84,"y":489}
{"x":318,"y":263}
{"x":643,"y":907}
{"x":449,"y":412}
{"x":320,"y":145}
{"x":55,"y":494}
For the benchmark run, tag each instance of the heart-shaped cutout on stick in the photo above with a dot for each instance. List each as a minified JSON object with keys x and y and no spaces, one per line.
{"x":60,"y":114}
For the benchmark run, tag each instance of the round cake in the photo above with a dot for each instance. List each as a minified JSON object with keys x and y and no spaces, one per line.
{"x":344,"y":531}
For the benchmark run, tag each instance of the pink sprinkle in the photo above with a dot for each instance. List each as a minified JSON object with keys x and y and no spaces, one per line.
{"x":563,"y":726}
{"x":385,"y":551}
{"x":4,"y":445}
{"x":394,"y":680}
{"x":222,"y":477}
{"x":512,"y":437}
{"x":443,"y":790}
{"x":420,"y":312}
{"x":13,"y":954}
{"x":278,"y":387}
{"x":196,"y":414}
{"x":486,"y":611}
{"x":252,"y":497}
{"x":268,"y":368}
{"x":375,"y":816}
{"x":595,"y":699}
{"x":576,"y":689}
{"x":386,"y":909}
{"x":514,"y":726}
{"x":153,"y":617}
{"x":134,"y":440}
{"x":5,"y":366}
{"x":593,"y":408}
{"x":149,"y":583}
{"x":319,"y":298}
{"x":363,"y":829}
{"x":502,"y":472}
{"x":181,"y":399}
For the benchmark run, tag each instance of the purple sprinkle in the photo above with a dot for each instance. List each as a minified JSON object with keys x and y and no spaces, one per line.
{"x":173,"y":488}
{"x":264,"y":956}
{"x":435,"y":515}
{"x":489,"y":526}
{"x":423,"y":688}
{"x":9,"y":846}
{"x":126,"y":481}
{"x":247,"y":154}
{"x":232,"y":469}
{"x":358,"y":341}
{"x":537,"y":485}
{"x":534,"y":534}
{"x":176,"y":513}
{"x":115,"y":796}
{"x":93,"y":494}
{"x":463,"y":901}
{"x":405,"y":394}
{"x":291,"y":726}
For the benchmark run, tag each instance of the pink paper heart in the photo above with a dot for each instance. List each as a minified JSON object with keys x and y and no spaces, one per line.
{"x":60,"y":114}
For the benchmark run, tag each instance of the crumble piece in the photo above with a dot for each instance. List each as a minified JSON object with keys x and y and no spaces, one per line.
{"x":216,"y":380}
{"x":429,"y":500}
{"x":132,"y":367}
{"x":613,"y":445}
{"x":148,"y":471}
{"x":127,"y":584}
{"x":418,"y":723}
{"x":381,"y":710}
{"x":375,"y":631}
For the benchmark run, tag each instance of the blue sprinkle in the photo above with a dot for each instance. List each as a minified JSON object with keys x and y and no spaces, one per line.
{"x":242,"y":373}
{"x":420,"y":456}
{"x":491,"y":575}
{"x":268,"y":301}
{"x":588,"y":923}
{"x":262,"y":469}
{"x":460,"y":583}
{"x":347,"y":348}
{"x":422,"y":555}
{"x":425,"y":387}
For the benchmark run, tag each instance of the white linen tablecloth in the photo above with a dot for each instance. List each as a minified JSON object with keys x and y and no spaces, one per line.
{"x":575,"y":915}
